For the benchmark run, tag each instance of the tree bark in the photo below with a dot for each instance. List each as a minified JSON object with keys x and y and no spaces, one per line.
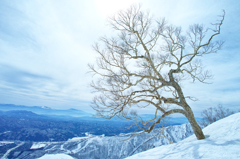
{"x":189,"y":113}
{"x":196,"y":128}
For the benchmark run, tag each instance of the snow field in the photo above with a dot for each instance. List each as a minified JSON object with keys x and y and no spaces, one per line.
{"x":222,"y":142}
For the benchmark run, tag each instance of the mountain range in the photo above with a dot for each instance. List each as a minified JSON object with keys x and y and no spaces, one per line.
{"x":76,"y":115}
{"x":25,"y":125}
{"x":95,"y":147}
{"x":40,"y":123}
{"x":222,"y":141}
{"x":55,"y":133}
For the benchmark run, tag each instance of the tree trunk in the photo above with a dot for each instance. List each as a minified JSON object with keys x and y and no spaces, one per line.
{"x":189,"y":113}
{"x":196,"y":128}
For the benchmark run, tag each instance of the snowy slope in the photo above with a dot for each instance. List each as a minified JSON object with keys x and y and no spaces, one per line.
{"x":56,"y":156}
{"x":95,"y":147}
{"x":223,"y":141}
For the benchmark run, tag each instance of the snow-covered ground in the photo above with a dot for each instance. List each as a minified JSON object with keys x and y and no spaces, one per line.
{"x":223,"y":141}
{"x":56,"y":156}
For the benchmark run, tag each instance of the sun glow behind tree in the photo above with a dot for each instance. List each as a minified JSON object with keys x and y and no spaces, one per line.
{"x":107,"y":8}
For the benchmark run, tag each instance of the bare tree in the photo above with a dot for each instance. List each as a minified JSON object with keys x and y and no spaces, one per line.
{"x":211,"y":115}
{"x":144,"y":65}
{"x":208,"y":117}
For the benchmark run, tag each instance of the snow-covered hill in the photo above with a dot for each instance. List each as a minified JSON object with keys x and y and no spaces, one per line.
{"x":223,"y":141}
{"x":93,"y":147}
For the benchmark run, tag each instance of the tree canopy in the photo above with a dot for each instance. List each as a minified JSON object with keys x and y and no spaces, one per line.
{"x":145,"y":64}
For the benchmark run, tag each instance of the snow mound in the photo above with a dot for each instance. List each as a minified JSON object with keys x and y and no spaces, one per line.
{"x":222,"y":141}
{"x":38,"y":145}
{"x":56,"y":156}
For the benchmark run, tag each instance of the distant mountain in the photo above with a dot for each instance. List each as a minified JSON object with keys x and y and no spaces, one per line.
{"x":75,"y":115}
{"x":27,"y":126}
{"x":63,"y":115}
{"x":45,"y":110}
{"x":20,"y":113}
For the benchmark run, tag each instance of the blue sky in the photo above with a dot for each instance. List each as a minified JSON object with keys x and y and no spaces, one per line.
{"x":45,"y":46}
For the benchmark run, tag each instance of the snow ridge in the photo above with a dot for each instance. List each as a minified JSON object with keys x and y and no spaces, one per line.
{"x":93,"y":147}
{"x":223,"y":141}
